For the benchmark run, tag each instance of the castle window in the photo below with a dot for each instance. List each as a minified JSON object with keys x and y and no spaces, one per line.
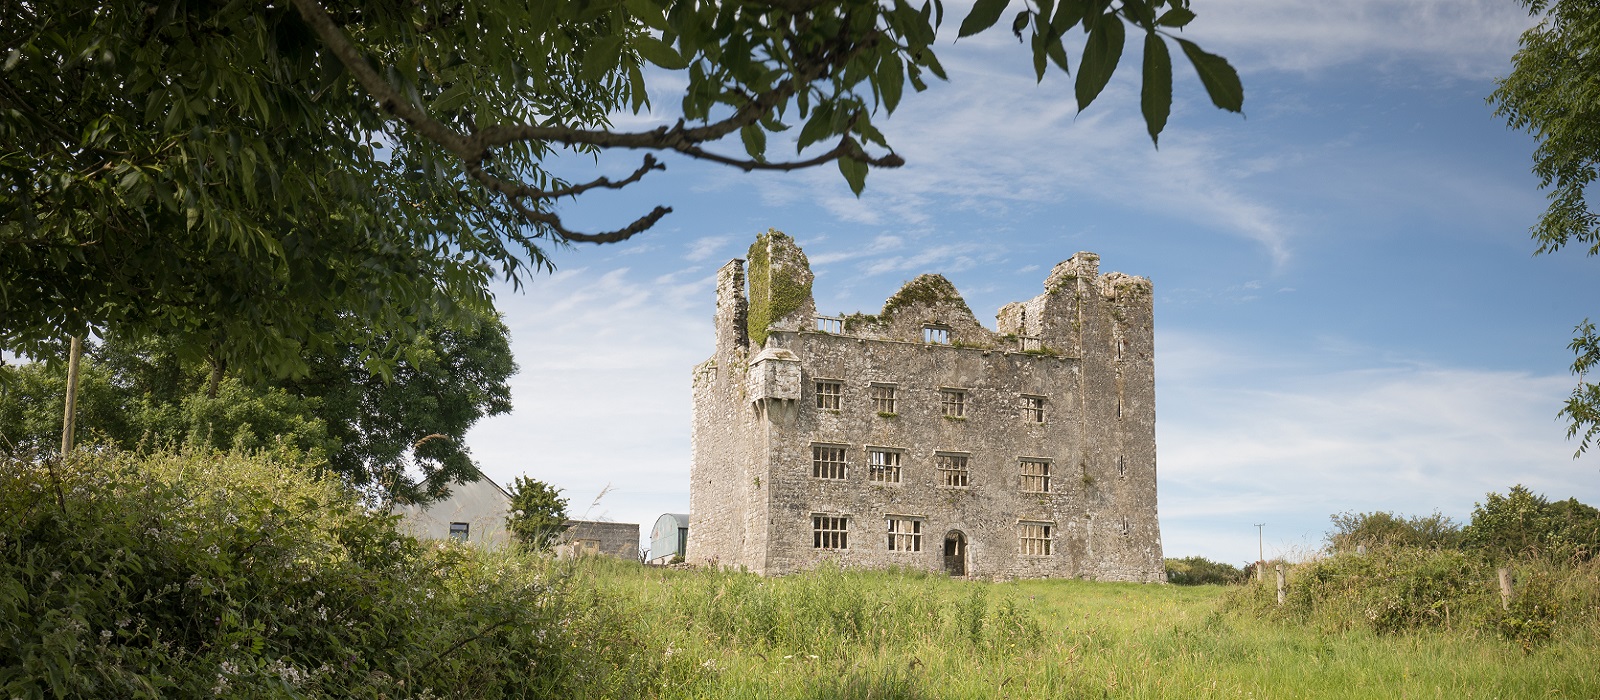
{"x":953,"y":402}
{"x":830,"y":532}
{"x":1033,"y":408}
{"x":938,"y":335}
{"x":827,"y":462}
{"x":1126,"y":530}
{"x":1035,"y":476}
{"x":829,"y":393}
{"x":952,"y":469}
{"x":883,"y":398}
{"x":458,"y":531}
{"x":830,"y":324}
{"x":1033,"y":539}
{"x":905,"y":534}
{"x":883,"y":466}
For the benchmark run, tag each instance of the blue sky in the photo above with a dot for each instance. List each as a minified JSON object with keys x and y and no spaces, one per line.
{"x":1349,"y":314}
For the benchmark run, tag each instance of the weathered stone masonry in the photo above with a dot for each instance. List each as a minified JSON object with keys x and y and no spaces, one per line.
{"x":919,"y":438}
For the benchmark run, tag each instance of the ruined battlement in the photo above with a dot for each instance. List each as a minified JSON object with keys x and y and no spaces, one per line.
{"x":918,"y":437}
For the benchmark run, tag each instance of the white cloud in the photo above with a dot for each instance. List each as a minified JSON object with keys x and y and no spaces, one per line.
{"x":705,"y":247}
{"x":603,"y":395}
{"x":1471,"y":39}
{"x":1247,"y":438}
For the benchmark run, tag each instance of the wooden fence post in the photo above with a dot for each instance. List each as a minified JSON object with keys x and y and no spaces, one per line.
{"x":1280,"y":584}
{"x":1505,"y":588}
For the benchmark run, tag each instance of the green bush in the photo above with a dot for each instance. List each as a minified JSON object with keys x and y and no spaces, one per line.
{"x":1383,"y":529}
{"x":1523,"y":524}
{"x":1200,"y":571}
{"x":1402,"y":589}
{"x":205,"y":573}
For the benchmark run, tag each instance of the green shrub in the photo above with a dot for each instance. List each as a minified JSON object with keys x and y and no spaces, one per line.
{"x":1200,"y":571}
{"x":1524,"y":524}
{"x":1383,"y":529}
{"x":205,"y":573}
{"x":1403,"y":589}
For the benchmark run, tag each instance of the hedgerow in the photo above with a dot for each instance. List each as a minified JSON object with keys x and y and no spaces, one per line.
{"x":201,"y":574}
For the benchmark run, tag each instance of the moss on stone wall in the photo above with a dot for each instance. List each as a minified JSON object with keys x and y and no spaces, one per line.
{"x":778,"y":286}
{"x":925,"y":290}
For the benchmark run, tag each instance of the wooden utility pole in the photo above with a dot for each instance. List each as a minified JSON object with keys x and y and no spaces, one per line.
{"x":69,"y":422}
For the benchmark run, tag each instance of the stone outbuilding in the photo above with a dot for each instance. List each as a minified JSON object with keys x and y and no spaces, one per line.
{"x":620,"y":540}
{"x":916,"y":437}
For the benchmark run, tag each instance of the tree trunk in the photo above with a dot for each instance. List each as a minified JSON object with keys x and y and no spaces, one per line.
{"x":216,"y":378}
{"x":69,"y":422}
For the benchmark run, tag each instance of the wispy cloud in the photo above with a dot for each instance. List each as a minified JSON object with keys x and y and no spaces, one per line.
{"x":1247,"y":437}
{"x":1470,"y":39}
{"x":603,"y":395}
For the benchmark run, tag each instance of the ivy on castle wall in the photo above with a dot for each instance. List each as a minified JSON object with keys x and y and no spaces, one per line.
{"x":778,"y":287}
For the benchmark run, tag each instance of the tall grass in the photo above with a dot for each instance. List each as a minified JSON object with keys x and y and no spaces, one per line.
{"x":861,"y":634}
{"x":232,"y":575}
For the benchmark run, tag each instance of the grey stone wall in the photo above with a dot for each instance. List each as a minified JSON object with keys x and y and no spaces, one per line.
{"x":1085,"y":346}
{"x":619,"y":540}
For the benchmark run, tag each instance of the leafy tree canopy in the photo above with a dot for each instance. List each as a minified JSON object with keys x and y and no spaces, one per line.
{"x":1379,"y":528}
{"x":1553,"y":91}
{"x":259,"y":183}
{"x":1523,"y":523}
{"x":538,"y":513}
{"x":402,"y":436}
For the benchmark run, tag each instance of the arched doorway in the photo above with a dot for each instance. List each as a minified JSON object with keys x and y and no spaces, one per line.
{"x":955,"y":553}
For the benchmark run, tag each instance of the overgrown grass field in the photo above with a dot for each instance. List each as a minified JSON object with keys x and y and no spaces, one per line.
{"x":841,"y":634}
{"x":202,"y":574}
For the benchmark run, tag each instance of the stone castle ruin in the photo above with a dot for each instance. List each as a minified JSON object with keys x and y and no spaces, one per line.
{"x":918,"y":438}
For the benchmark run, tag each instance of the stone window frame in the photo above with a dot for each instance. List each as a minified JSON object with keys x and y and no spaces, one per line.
{"x":901,"y":540}
{"x":892,"y":466}
{"x":948,"y":475}
{"x":1035,"y":538}
{"x":830,"y":531}
{"x":885,"y":397}
{"x":837,"y":395}
{"x":823,"y":468}
{"x":1033,"y":406}
{"x":954,"y":399}
{"x":935,"y":334}
{"x":1038,"y":478}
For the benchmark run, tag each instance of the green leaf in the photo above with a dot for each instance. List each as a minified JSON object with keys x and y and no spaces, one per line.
{"x":755,"y":141}
{"x":818,"y":127}
{"x":1041,"y":43}
{"x":1068,"y":13}
{"x":1155,"y":95}
{"x":1220,"y":79}
{"x":983,"y":16}
{"x":1058,"y":54}
{"x":1138,"y":11}
{"x":1100,"y":56}
{"x":1176,"y":17}
{"x":891,"y":80}
{"x":657,"y":52}
{"x":648,"y":13}
{"x":1020,"y":23}
{"x":855,"y":173}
